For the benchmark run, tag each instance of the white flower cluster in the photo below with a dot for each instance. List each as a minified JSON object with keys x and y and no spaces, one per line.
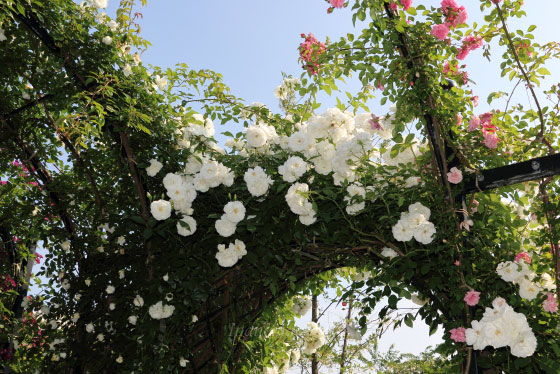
{"x":521,"y":274}
{"x":257,"y":181}
{"x":227,"y":257}
{"x":100,"y":4}
{"x":355,"y":199}
{"x":211,"y":175}
{"x":260,"y":136}
{"x":415,"y":224}
{"x":199,"y":127}
{"x":302,"y":305}
{"x":161,"y":311}
{"x":334,"y":143}
{"x":292,"y":358}
{"x":234,"y":212}
{"x":159,"y":83}
{"x":314,"y":338}
{"x":288,"y":86}
{"x":501,"y":326}
{"x":181,"y":191}
{"x":299,"y":204}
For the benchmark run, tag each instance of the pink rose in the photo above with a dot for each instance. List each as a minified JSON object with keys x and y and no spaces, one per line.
{"x":458,"y":334}
{"x":486,"y":118}
{"x":491,"y":140}
{"x":449,"y":4}
{"x":446,"y":67}
{"x":472,"y":297}
{"x":523,"y":256}
{"x":440,"y":31}
{"x":474,"y":122}
{"x":374,"y":122}
{"x":454,"y":176}
{"x":463,"y":52}
{"x":406,"y":4}
{"x":337,"y":3}
{"x":475,"y":100}
{"x":550,"y":305}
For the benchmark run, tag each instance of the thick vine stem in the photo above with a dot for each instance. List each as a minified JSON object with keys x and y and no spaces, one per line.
{"x":529,"y":85}
{"x":135,"y":173}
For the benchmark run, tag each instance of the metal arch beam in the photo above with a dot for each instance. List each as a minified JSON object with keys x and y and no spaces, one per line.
{"x":536,"y":168}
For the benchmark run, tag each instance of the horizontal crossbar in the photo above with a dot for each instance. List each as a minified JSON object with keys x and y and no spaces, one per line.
{"x":536,"y":168}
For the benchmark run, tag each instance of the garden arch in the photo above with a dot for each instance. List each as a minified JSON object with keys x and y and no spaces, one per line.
{"x":112,"y":123}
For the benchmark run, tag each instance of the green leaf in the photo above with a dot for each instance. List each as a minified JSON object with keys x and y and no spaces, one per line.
{"x":543,"y":71}
{"x":148,"y":234}
{"x":408,"y":320}
{"x":138,"y":220}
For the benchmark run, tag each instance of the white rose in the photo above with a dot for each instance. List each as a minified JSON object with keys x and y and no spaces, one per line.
{"x":528,"y":290}
{"x":402,"y":232}
{"x":138,"y":301}
{"x":234,"y":211}
{"x":184,"y":231}
{"x":227,"y":257}
{"x":225,"y":227}
{"x":256,"y":136}
{"x":100,"y":4}
{"x":161,"y":209}
{"x":388,"y":252}
{"x":155,"y":165}
{"x":107,"y":40}
{"x":424,"y":233}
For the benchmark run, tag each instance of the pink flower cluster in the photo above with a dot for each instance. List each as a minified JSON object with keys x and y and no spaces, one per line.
{"x":7,"y":283}
{"x":489,"y":131}
{"x":470,"y":43}
{"x":405,"y":3}
{"x":550,"y":305}
{"x":454,"y":15}
{"x":309,"y":51}
{"x":454,"y":71}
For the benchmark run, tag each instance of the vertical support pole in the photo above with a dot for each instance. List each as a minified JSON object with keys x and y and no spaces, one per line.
{"x":314,"y":318}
